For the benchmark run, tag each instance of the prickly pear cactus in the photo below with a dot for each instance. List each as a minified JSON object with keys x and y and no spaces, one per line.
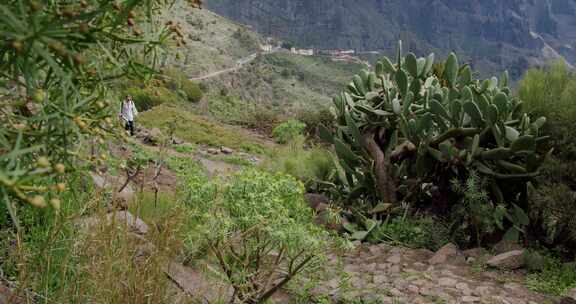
{"x":406,"y":121}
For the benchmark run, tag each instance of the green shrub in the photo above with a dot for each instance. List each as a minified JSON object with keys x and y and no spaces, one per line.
{"x":246,"y":39}
{"x":419,"y":232}
{"x":262,"y":119}
{"x":229,"y":109}
{"x":179,"y":82}
{"x":254,"y":215}
{"x":147,"y":98}
{"x":308,"y":165}
{"x":552,"y":206}
{"x":204,"y":87}
{"x":193,"y":91}
{"x":288,"y":131}
{"x":314,"y":118}
{"x":551,"y":91}
{"x":476,"y":215}
{"x":554,"y":277}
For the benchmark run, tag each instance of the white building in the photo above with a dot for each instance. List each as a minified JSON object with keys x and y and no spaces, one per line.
{"x":266,"y":48}
{"x":303,"y":52}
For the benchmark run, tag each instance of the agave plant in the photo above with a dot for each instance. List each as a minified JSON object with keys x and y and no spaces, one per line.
{"x":409,"y":124}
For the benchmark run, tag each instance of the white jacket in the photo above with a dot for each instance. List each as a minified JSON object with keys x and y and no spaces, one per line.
{"x":128,"y":110}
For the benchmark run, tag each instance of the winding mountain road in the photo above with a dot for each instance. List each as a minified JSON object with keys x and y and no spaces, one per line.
{"x":239,"y":64}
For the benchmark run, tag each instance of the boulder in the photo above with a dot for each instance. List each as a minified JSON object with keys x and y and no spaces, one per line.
{"x":506,"y":246}
{"x":475,"y":254}
{"x":154,"y":137}
{"x":127,"y":194}
{"x":124,"y":218}
{"x":567,"y":300}
{"x":213,"y":151}
{"x":113,"y":183}
{"x":571,"y":294}
{"x":134,"y":223}
{"x":226,"y":151}
{"x":144,"y":250}
{"x":141,"y":132}
{"x":177,"y":141}
{"x":316,"y":201}
{"x":99,"y":181}
{"x":508,"y":261}
{"x":447,"y":254}
{"x":8,"y":297}
{"x":194,"y":282}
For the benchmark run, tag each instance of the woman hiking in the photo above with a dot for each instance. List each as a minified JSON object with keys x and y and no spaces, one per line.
{"x":127,"y":112}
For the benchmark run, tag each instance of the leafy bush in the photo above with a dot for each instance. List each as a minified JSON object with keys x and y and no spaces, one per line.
{"x":147,"y":98}
{"x":314,"y":118}
{"x":233,"y":110}
{"x":419,"y":232}
{"x":414,"y":232}
{"x":551,"y":91}
{"x":287,"y":45}
{"x":246,"y":39}
{"x":554,"y":277}
{"x":260,"y":232}
{"x":552,"y":206}
{"x":308,"y":165}
{"x":262,"y":119}
{"x":179,"y":82}
{"x":288,"y":131}
{"x":193,"y":91}
{"x":478,"y":216}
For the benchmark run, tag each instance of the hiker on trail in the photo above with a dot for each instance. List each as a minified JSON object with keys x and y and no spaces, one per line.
{"x":127,"y":112}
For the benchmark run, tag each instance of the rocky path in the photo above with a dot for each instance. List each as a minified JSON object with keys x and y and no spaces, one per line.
{"x":378,"y":273}
{"x":385,"y":274}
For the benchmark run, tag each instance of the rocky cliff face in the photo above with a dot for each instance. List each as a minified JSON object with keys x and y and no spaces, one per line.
{"x":490,"y":34}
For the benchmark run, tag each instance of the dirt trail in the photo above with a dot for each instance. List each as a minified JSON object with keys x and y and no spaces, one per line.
{"x":239,"y":64}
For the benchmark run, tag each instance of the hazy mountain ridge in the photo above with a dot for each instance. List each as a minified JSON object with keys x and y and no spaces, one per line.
{"x":491,"y":34}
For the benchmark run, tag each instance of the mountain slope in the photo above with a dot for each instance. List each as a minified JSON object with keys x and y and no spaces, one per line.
{"x":241,"y":84}
{"x":491,"y":34}
{"x":213,"y":42}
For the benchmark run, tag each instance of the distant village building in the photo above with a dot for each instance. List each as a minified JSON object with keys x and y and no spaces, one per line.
{"x":266,"y":48}
{"x":369,"y":52}
{"x":303,"y":52}
{"x":347,"y":52}
{"x":338,"y":53}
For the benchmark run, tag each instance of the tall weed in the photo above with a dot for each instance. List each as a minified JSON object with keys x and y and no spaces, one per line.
{"x":61,"y":257}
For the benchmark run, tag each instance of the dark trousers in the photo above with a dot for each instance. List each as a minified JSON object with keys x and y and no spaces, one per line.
{"x":130,"y":127}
